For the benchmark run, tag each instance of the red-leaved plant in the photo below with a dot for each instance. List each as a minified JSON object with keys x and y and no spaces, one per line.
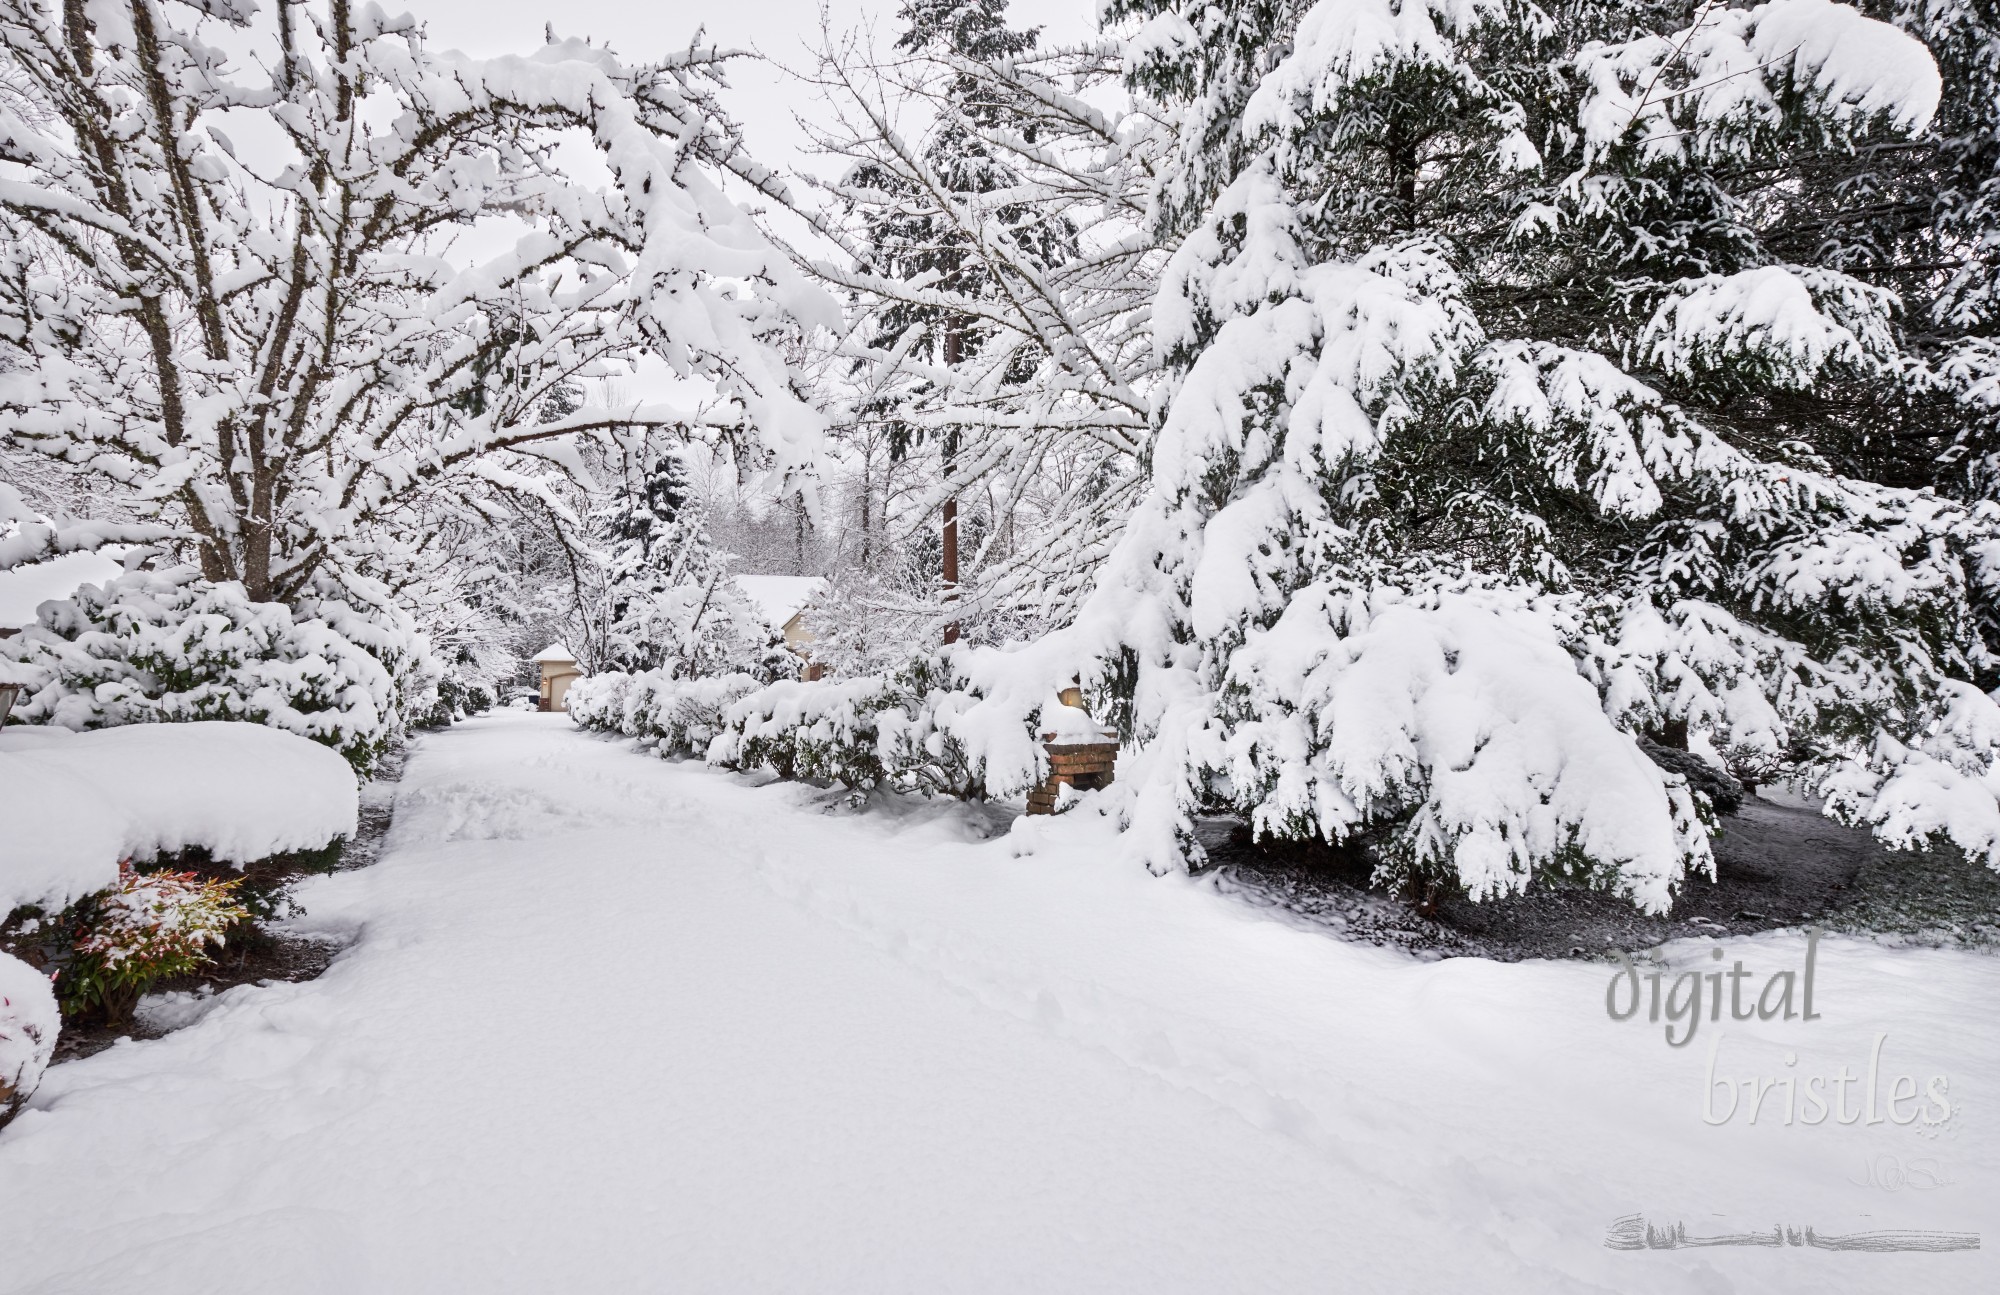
{"x":150,"y":927}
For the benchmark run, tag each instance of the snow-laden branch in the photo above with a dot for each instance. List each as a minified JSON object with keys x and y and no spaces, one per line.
{"x":268,"y":359}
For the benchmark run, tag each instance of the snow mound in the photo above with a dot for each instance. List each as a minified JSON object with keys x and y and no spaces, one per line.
{"x":77,"y":803}
{"x":29,"y":1023}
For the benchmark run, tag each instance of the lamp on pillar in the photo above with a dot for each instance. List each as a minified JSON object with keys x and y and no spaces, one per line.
{"x":1083,"y":756}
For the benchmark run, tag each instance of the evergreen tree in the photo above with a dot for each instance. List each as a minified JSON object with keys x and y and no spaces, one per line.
{"x":905,"y":234}
{"x":1949,"y":270}
{"x":1912,"y":217}
{"x":1497,"y":436}
{"x":670,"y":599}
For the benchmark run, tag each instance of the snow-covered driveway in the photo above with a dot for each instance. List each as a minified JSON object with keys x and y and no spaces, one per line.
{"x":612,"y":1024}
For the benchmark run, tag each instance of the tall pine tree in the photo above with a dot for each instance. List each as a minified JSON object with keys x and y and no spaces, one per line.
{"x":1502,"y":431}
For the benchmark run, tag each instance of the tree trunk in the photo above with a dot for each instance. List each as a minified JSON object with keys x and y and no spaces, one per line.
{"x":953,"y":345}
{"x":950,"y":565}
{"x":1403,"y":172}
{"x":867,"y":494}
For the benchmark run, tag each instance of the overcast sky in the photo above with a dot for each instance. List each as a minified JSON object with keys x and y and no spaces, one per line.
{"x":760,"y":97}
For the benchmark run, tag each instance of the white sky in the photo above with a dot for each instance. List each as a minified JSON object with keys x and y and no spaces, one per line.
{"x":760,"y":97}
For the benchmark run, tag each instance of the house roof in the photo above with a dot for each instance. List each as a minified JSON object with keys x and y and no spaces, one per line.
{"x":555,"y":652}
{"x":780,"y":598}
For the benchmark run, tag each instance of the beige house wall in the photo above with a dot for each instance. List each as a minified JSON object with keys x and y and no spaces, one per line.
{"x":557,"y":676}
{"x":799,"y":640}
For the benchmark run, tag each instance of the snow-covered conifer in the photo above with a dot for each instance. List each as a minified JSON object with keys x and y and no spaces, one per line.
{"x":670,"y":598}
{"x":1484,"y":451}
{"x":1931,"y":216}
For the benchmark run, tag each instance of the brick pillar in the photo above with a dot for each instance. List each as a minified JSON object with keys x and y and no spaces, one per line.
{"x":1085,"y":766}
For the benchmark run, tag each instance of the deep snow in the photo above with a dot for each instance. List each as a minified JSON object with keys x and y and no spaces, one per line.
{"x":611,"y":1023}
{"x":74,"y":804}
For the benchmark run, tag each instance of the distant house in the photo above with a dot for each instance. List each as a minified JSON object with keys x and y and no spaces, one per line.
{"x":783,"y":601}
{"x":559,"y":671}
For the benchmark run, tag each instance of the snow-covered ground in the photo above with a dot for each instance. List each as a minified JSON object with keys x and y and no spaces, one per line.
{"x":615,"y":1024}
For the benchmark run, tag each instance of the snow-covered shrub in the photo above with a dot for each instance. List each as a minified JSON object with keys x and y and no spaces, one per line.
{"x":456,"y":700}
{"x":29,"y":1023}
{"x":164,"y":647}
{"x":933,"y":748}
{"x":675,"y":716}
{"x":74,"y":804}
{"x":686,"y":715}
{"x":598,"y":701}
{"x":828,"y":730}
{"x":900,"y":730}
{"x":150,"y":927}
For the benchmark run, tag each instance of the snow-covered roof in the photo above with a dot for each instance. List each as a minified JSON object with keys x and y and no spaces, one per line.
{"x":780,"y":597}
{"x":554,"y":652}
{"x":24,"y":588}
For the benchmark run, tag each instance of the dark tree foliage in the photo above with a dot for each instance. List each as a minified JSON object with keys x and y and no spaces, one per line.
{"x":1651,"y":326}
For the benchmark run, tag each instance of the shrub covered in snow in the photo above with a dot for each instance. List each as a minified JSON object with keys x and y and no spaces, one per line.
{"x":598,"y":702}
{"x":158,"y":647}
{"x":829,"y":730}
{"x":457,"y":699}
{"x":677,"y":716}
{"x":149,"y":927}
{"x":74,"y":804}
{"x":29,"y":1024}
{"x":735,"y":720}
{"x":900,"y":730}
